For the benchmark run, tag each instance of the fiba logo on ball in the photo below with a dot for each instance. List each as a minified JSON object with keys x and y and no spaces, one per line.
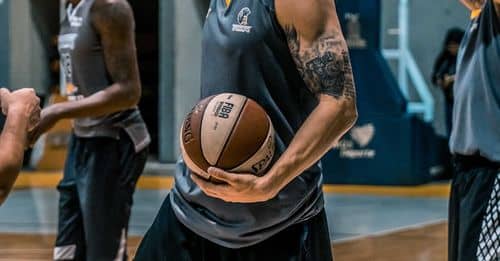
{"x":223,"y":110}
{"x":228,"y":131}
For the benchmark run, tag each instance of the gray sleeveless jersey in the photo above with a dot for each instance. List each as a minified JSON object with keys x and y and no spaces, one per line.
{"x":245,"y":52}
{"x":85,"y":73}
{"x":476,"y":116}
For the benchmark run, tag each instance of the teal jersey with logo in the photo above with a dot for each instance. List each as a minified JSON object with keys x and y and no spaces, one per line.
{"x":245,"y":52}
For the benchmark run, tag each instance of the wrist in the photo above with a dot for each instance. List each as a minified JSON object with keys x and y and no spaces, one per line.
{"x":56,"y":111}
{"x":274,"y":181}
{"x":16,"y":110}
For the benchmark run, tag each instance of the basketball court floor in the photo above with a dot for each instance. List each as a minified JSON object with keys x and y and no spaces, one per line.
{"x":366,"y":223}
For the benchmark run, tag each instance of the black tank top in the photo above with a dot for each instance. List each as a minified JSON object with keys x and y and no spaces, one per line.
{"x":245,"y":52}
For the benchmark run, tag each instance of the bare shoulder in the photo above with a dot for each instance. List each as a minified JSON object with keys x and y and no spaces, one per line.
{"x":309,"y":17}
{"x":111,"y":15}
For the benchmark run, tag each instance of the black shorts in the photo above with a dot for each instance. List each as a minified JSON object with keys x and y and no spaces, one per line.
{"x":474,"y":212}
{"x":170,"y":240}
{"x":96,"y":198}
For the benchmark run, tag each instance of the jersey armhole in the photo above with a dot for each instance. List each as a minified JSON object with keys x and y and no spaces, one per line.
{"x":271,"y":9}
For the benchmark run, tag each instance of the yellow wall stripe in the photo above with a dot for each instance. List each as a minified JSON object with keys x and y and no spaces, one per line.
{"x":49,"y":180}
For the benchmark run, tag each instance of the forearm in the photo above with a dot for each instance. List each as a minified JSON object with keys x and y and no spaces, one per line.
{"x":105,"y":102}
{"x":473,"y":4}
{"x":323,"y":128}
{"x":12,"y":144}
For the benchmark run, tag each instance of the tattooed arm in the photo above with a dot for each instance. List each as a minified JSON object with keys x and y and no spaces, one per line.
{"x":114,"y":22}
{"x":320,"y":53}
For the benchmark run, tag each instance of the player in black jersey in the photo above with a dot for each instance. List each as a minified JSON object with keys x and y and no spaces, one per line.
{"x":290,"y":57}
{"x":108,"y":148}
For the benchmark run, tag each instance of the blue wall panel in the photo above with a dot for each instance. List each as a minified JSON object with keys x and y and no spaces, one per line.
{"x":4,"y":43}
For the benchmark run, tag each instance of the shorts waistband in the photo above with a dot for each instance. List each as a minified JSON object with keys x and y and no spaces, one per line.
{"x":474,"y":161}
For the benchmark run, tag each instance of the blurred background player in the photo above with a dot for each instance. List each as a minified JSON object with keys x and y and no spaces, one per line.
{"x":108,"y":150}
{"x":475,"y":140}
{"x":443,"y":75}
{"x":298,"y":68}
{"x":23,"y":113}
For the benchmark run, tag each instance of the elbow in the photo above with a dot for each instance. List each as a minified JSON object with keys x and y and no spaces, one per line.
{"x":3,"y":196}
{"x":132,"y":96}
{"x":349,"y":113}
{"x":8,"y":175}
{"x":4,"y":193}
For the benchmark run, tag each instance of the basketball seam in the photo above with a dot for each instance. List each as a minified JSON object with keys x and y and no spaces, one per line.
{"x":270,"y":132}
{"x":226,"y":142}
{"x":201,"y":129}
{"x":243,"y":161}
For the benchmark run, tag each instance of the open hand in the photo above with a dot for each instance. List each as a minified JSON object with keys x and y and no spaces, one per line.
{"x":236,"y":187}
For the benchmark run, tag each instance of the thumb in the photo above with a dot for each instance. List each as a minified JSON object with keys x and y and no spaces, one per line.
{"x":220,"y":174}
{"x":3,"y":93}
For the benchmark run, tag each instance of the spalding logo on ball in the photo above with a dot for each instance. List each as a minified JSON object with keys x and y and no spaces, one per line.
{"x":228,"y":131}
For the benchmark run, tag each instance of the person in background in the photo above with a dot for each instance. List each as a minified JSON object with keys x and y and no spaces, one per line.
{"x":109,"y":144}
{"x":22,"y":109}
{"x":443,"y":74}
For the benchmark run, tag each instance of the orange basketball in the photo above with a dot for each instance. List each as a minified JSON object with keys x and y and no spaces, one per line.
{"x":228,"y":131}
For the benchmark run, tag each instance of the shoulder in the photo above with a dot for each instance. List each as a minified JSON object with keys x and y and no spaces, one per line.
{"x":309,"y":17}
{"x":116,"y":14}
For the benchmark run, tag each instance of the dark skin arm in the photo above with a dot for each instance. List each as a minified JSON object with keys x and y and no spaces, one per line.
{"x":320,"y":53}
{"x":114,"y":21}
{"x":23,"y":111}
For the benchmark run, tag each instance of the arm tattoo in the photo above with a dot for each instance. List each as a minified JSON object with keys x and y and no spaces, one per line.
{"x":325,"y":66}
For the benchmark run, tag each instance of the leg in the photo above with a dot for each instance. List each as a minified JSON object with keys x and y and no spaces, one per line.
{"x":308,"y":241}
{"x":489,"y":239}
{"x":70,"y":242}
{"x":475,"y":189}
{"x":106,"y":183}
{"x":169,"y":240}
{"x":454,"y":217}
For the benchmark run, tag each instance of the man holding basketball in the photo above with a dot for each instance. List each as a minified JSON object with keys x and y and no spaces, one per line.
{"x":291,"y":58}
{"x":474,"y":214}
{"x":23,"y":112}
{"x":108,"y":149}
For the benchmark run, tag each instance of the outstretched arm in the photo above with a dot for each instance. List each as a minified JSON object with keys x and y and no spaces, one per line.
{"x":473,"y":4}
{"x":114,"y":21}
{"x":320,"y":53}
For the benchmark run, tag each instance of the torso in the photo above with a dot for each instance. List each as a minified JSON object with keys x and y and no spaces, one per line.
{"x":245,"y":52}
{"x":476,"y":117}
{"x":84,"y":67}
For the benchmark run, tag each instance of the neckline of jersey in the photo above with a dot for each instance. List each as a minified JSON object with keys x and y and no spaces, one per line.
{"x":71,"y":12}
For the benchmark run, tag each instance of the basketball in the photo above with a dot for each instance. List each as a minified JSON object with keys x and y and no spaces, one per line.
{"x":230,"y":132}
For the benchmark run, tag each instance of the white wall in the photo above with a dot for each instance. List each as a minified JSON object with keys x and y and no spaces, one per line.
{"x":187,"y":61}
{"x":429,"y":21}
{"x":28,"y":63}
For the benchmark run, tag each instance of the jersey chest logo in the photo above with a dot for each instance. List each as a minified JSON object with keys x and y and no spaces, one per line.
{"x":242,"y":19}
